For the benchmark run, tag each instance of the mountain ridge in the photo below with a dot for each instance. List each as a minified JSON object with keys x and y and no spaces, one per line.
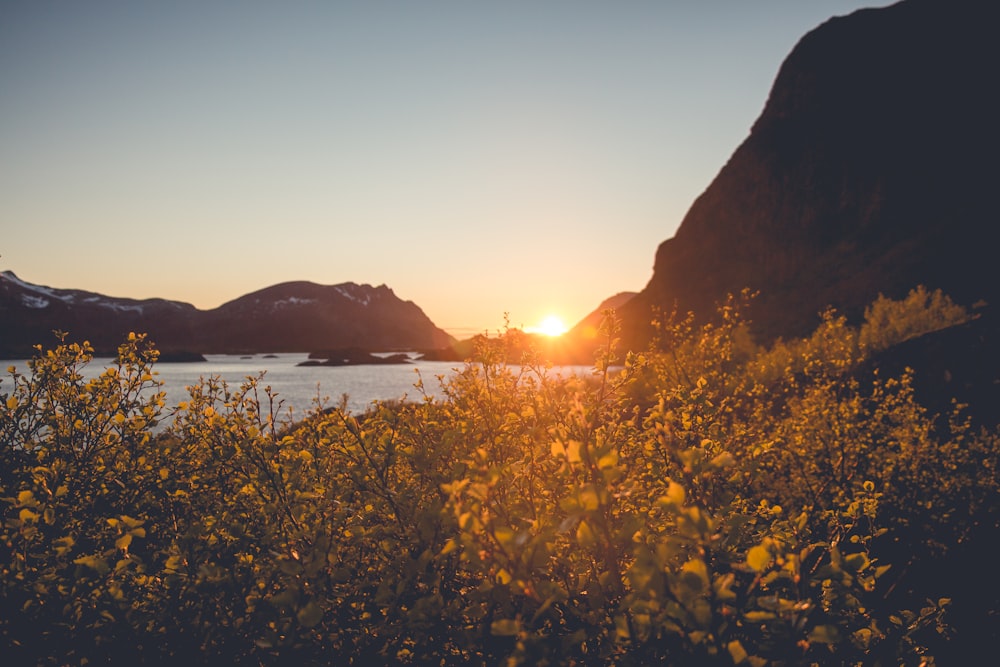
{"x":294,"y":316}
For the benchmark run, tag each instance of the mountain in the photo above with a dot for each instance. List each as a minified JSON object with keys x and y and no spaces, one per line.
{"x":871,"y":170}
{"x":30,"y":313}
{"x":579,"y":345}
{"x":304,"y":316}
{"x":290,"y":317}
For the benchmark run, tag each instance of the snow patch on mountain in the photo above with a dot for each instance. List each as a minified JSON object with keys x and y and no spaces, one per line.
{"x":355,"y":293}
{"x":121,"y":307}
{"x":292,"y":301}
{"x":36,"y":302}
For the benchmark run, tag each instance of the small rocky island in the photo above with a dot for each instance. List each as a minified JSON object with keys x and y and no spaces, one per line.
{"x":352,"y":357}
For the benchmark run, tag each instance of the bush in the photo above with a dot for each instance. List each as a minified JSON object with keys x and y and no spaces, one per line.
{"x":888,"y":322}
{"x":711,"y":504}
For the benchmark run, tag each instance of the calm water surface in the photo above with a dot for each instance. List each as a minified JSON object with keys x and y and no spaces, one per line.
{"x":298,"y":387}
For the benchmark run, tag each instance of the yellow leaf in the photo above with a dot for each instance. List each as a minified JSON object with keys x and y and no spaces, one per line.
{"x":737,"y":652}
{"x":64,"y":544}
{"x":174,"y":564}
{"x":609,"y":460}
{"x":825,"y":634}
{"x":759,"y":557}
{"x":697,"y":567}
{"x":589,"y":500}
{"x":504,"y":535}
{"x":94,"y":563}
{"x":505,"y":628}
{"x":675,"y":495}
{"x":12,"y":402}
{"x":585,"y":534}
{"x":573,"y":451}
{"x":723,"y":460}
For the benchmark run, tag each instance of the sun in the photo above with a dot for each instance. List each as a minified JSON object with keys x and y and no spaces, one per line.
{"x":550,"y":326}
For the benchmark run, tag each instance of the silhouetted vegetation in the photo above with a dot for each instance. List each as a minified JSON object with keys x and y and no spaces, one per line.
{"x":712,"y":503}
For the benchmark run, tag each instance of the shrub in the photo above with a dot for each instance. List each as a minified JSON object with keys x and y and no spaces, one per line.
{"x":888,"y":322}
{"x":711,"y":504}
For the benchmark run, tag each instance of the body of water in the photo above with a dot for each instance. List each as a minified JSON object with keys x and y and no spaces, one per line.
{"x":297,"y":386}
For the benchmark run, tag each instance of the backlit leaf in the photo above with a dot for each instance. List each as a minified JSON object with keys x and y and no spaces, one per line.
{"x":759,"y":557}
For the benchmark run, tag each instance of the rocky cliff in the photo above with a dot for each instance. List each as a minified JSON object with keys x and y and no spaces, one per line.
{"x":870,"y":170}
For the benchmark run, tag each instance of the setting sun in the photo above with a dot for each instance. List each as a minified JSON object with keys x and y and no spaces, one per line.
{"x":550,"y":326}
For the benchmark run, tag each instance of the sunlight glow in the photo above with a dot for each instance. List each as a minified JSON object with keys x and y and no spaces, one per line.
{"x":550,"y":326}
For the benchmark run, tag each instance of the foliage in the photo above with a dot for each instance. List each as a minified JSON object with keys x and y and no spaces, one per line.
{"x":713,"y":503}
{"x":888,"y":322}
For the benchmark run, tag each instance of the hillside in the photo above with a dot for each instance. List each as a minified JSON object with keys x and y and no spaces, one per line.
{"x":870,"y":170}
{"x":290,"y":317}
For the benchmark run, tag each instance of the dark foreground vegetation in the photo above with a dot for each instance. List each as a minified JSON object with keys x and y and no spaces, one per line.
{"x":718,"y":503}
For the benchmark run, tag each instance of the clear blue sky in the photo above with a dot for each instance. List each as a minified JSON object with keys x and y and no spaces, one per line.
{"x":479,"y":158}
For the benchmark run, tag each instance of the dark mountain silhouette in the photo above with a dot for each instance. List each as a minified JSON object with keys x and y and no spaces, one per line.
{"x":871,"y":170}
{"x":304,"y":316}
{"x":590,"y":325}
{"x":291,"y":317}
{"x":30,"y":313}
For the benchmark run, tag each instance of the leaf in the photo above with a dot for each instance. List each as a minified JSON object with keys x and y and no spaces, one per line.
{"x":26,"y":499}
{"x":506,"y":627}
{"x":825,"y":634}
{"x":759,"y":616}
{"x":759,"y":557}
{"x":585,"y":535}
{"x":736,"y":651}
{"x":174,"y":564}
{"x":504,"y":535}
{"x":609,"y":460}
{"x":696,"y":575}
{"x":310,"y":615}
{"x":63,"y":545}
{"x":676,"y":493}
{"x":99,"y":565}
{"x":723,"y":460}
{"x":573,"y":451}
{"x":589,"y":499}
{"x":856,"y":562}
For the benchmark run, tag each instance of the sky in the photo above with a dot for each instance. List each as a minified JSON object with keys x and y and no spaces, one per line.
{"x":482,"y":159}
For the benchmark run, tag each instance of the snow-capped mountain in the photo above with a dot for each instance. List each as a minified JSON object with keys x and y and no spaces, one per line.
{"x":290,"y":317}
